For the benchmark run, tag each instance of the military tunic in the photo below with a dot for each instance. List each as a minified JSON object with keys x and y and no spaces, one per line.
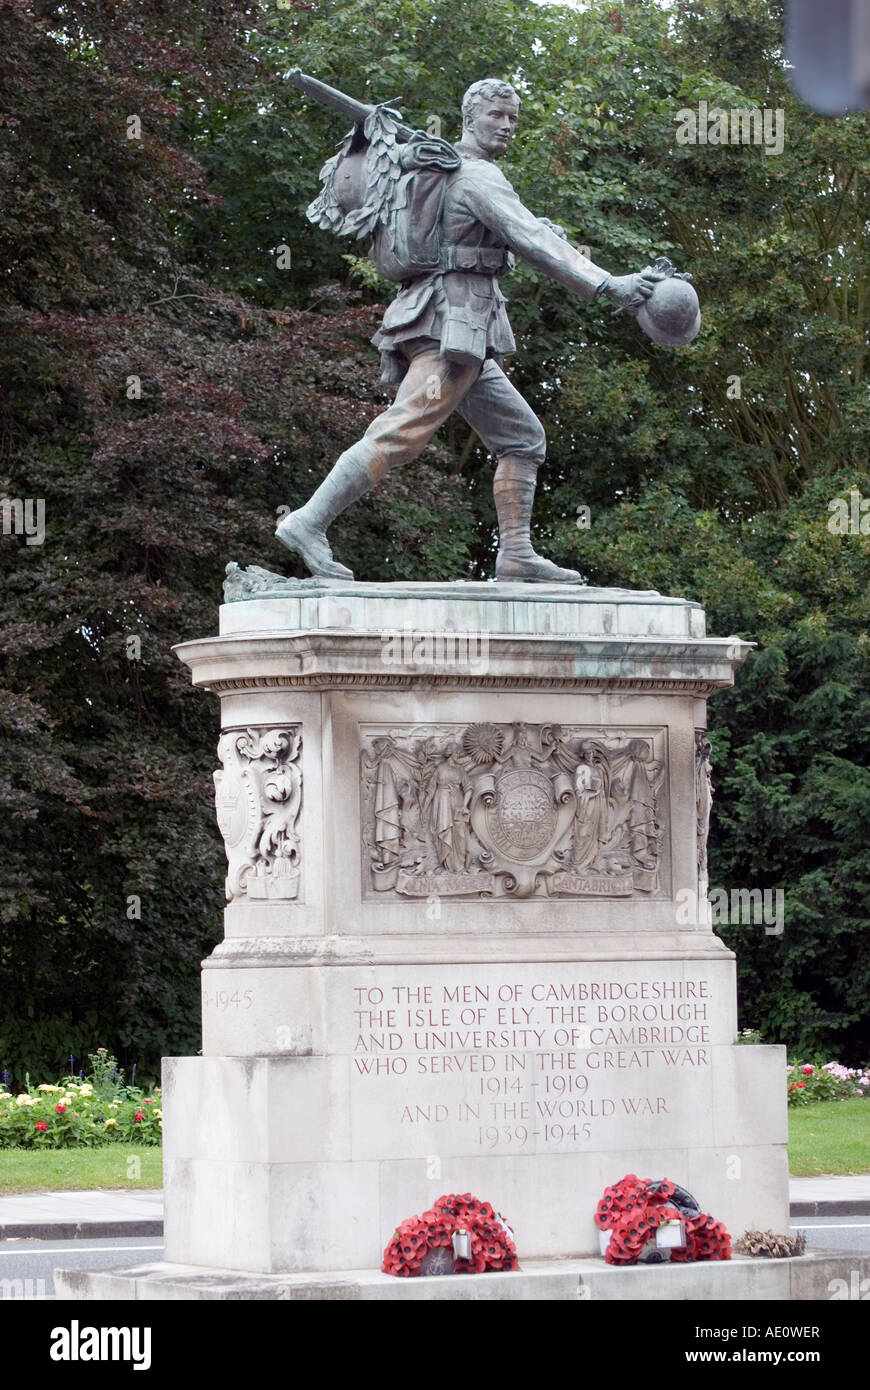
{"x":464,"y":310}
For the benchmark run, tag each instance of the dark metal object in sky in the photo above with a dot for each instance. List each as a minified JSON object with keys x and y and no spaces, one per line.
{"x":828,"y":46}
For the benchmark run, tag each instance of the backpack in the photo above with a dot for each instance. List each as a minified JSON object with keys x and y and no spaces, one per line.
{"x":393,"y":192}
{"x":408,"y":243}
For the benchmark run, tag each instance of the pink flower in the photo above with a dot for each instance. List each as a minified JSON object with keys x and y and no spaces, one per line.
{"x":40,"y":1125}
{"x":138,"y":1116}
{"x":800,"y":1085}
{"x":61,"y":1109}
{"x":808,"y":1070}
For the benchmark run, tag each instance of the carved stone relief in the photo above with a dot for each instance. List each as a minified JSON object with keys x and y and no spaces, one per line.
{"x":518,"y":810}
{"x":258,"y":798}
{"x":703,"y":798}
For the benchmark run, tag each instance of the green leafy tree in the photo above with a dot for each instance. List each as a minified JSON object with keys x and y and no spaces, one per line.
{"x":161,"y":419}
{"x":169,"y":379}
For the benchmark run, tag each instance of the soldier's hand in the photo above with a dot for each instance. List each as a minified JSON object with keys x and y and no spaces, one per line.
{"x":630,"y":291}
{"x":554,"y":227}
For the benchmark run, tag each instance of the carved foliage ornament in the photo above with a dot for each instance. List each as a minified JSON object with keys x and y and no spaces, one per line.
{"x":258,"y":798}
{"x":515,"y":810}
{"x":703,"y":796}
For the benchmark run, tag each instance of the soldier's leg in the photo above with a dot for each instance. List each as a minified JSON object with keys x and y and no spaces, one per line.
{"x":429,"y":393}
{"x":515,"y":437}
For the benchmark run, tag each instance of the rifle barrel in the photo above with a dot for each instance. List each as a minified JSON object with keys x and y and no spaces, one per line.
{"x":356,"y":111}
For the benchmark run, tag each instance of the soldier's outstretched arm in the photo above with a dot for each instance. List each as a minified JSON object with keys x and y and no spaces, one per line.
{"x":493,"y":201}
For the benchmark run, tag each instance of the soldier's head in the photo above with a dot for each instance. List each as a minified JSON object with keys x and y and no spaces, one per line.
{"x":490,"y":110}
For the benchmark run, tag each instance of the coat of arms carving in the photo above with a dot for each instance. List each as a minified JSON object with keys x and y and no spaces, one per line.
{"x":258,"y":798}
{"x":515,"y":810}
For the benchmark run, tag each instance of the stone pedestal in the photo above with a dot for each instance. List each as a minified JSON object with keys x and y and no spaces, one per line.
{"x":467,"y":943}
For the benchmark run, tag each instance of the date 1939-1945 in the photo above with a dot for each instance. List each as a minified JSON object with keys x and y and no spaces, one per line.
{"x":491,"y":1136}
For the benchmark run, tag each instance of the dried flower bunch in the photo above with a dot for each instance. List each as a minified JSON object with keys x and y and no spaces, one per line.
{"x":776,"y":1247}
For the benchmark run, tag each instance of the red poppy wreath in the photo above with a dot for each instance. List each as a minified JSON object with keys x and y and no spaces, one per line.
{"x":489,"y":1244}
{"x":634,"y":1208}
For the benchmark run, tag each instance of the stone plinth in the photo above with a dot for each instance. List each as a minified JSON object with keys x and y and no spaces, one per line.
{"x":467,"y":943}
{"x":817,"y":1276}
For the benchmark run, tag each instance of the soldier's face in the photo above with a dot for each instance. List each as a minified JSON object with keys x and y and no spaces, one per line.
{"x":495,"y":122}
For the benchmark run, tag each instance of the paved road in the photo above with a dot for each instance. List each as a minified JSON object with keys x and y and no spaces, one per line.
{"x":27,"y":1266}
{"x":835,"y":1232}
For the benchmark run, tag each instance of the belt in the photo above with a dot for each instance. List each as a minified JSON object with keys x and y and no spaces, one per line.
{"x":486,"y":260}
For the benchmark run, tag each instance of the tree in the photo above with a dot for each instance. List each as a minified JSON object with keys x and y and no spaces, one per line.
{"x":168,"y":381}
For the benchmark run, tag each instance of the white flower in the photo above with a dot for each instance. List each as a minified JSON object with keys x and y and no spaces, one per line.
{"x":24,"y":1099}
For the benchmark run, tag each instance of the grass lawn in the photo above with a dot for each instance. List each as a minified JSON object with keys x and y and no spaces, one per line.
{"x":51,"y":1170}
{"x":831,"y":1137}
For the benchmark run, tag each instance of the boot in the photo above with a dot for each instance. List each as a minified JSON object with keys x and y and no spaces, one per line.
{"x":304,"y":531}
{"x":514,"y":493}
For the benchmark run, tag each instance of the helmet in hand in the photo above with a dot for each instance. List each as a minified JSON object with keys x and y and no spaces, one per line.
{"x":671,"y":315}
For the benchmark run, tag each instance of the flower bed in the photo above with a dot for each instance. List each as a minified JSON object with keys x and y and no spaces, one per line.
{"x":80,"y":1112}
{"x":808,"y":1083}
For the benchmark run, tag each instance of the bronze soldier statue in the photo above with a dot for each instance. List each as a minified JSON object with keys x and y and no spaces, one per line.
{"x":445,"y":225}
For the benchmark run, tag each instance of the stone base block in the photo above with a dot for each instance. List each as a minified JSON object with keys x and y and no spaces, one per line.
{"x":280,"y":1165}
{"x":819,"y":1276}
{"x":468,"y":946}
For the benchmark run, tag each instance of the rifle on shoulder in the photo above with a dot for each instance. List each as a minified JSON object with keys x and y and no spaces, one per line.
{"x":356,"y":111}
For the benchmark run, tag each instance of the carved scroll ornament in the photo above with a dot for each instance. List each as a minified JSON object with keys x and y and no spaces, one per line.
{"x":703,"y":797}
{"x":258,"y":798}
